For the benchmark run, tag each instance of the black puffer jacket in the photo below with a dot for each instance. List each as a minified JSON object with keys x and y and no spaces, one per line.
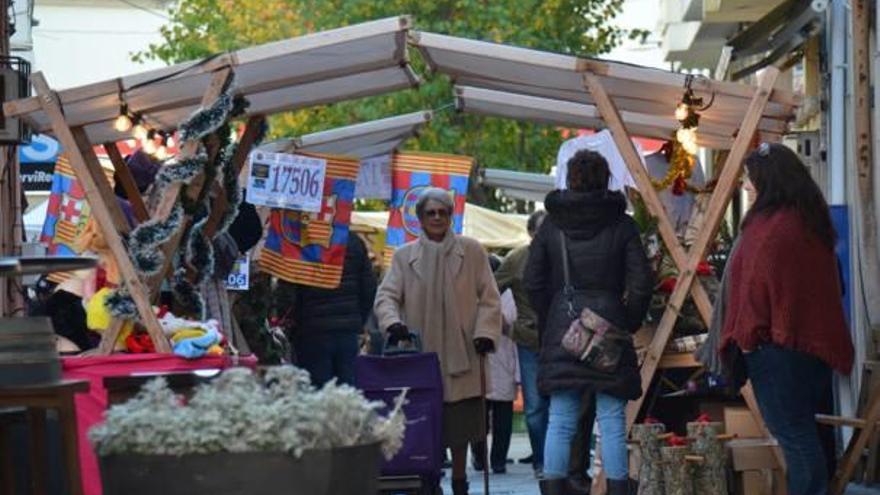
{"x":608,"y":261}
{"x":310,"y":311}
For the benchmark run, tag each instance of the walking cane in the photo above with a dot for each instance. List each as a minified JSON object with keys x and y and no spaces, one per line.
{"x":483,"y":424}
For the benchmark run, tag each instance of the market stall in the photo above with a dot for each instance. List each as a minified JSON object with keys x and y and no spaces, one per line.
{"x":197,"y":99}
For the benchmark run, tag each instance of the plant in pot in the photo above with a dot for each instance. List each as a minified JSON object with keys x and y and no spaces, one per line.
{"x":242,"y":433}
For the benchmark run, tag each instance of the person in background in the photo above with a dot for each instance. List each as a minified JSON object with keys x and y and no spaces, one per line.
{"x":441,"y":286}
{"x":325,"y":324}
{"x":503,"y":377}
{"x":783,"y":313}
{"x":525,"y":334}
{"x":608,"y":264}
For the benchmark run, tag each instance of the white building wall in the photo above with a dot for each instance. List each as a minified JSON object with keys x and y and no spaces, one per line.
{"x":77,"y":42}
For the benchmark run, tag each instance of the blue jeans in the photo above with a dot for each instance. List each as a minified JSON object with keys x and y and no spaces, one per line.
{"x":536,"y":405}
{"x":564,"y":411}
{"x":327,"y":356}
{"x":791,"y":387}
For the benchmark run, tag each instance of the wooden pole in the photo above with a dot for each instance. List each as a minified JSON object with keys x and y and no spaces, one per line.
{"x":864,"y":155}
{"x":11,"y":298}
{"x":104,"y":208}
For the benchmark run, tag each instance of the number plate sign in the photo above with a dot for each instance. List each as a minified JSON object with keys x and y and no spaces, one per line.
{"x":280,"y":180}
{"x":239,"y":277}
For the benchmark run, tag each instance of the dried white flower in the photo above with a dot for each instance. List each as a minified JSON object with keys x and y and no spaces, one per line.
{"x":239,"y":412}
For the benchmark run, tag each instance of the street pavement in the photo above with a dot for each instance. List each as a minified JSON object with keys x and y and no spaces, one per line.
{"x":519,"y":479}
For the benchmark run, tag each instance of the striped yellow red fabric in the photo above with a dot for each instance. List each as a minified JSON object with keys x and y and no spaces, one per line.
{"x":301,"y":272}
{"x":436,"y":163}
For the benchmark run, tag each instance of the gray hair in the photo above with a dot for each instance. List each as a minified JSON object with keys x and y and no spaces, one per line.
{"x":441,"y":196}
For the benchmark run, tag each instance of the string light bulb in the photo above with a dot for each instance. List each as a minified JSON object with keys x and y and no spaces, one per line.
{"x":123,"y":122}
{"x":140,"y":131}
{"x":682,"y":111}
{"x":161,"y":153}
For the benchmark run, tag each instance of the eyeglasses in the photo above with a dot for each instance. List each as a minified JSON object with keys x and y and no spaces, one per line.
{"x":439,"y":213}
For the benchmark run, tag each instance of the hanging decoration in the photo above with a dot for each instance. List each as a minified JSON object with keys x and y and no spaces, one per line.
{"x":411,"y":174}
{"x":681,"y":167}
{"x":688,"y":116}
{"x":309,"y":248}
{"x":194,"y":261}
{"x":681,"y":150}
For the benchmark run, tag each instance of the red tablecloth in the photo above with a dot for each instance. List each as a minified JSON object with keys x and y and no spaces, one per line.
{"x":90,"y":407}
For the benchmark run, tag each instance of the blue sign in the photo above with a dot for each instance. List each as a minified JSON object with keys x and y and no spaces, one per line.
{"x":41,"y":149}
{"x":840,"y":219}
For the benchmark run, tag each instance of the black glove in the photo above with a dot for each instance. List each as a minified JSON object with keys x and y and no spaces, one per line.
{"x":398,"y":331}
{"x":484,"y":346}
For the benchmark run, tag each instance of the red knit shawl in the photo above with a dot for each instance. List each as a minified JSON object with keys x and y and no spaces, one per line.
{"x":785,"y":289}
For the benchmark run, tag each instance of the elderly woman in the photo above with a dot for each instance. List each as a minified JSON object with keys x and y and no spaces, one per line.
{"x":441,"y":286}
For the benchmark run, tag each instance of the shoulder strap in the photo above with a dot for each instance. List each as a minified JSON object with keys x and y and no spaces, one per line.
{"x":568,"y":289}
{"x":566,"y":270}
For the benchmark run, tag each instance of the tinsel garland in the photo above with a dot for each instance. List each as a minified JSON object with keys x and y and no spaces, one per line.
{"x":147,"y":238}
{"x":205,"y":121}
{"x":681,"y":167}
{"x":121,"y":305}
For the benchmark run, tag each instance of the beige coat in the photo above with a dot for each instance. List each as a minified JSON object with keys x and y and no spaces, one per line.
{"x":401,"y":299}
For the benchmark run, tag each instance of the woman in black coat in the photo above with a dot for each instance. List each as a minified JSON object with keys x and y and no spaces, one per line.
{"x":607,"y":261}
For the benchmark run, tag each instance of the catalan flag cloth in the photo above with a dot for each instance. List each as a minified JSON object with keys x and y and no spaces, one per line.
{"x":66,"y":215}
{"x":309,"y":248}
{"x":411,"y":174}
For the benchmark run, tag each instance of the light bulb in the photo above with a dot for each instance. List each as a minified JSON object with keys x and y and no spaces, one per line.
{"x":685,"y":135}
{"x":162,"y":153}
{"x":149,"y":146}
{"x":122,"y":123}
{"x":691,"y":147}
{"x":170,"y":142}
{"x":140,"y":132}
{"x":682,"y":111}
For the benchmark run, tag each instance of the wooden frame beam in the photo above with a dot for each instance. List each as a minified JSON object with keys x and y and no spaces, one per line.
{"x":104,"y":208}
{"x":126,"y":180}
{"x":611,"y":116}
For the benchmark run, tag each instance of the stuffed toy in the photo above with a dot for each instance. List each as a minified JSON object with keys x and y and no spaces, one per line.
{"x":98,"y":318}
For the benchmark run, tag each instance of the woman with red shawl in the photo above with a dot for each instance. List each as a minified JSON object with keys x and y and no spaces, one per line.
{"x":784,"y":309}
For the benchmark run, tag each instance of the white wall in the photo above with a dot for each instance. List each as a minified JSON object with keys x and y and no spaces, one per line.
{"x":640,"y":14}
{"x":83,"y":41}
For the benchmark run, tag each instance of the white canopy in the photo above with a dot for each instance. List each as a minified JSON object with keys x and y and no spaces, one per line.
{"x":377,"y":137}
{"x":324,"y":67}
{"x":641,"y":93}
{"x":492,"y":229}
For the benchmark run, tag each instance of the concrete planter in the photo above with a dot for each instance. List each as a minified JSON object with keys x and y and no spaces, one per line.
{"x":342,"y":471}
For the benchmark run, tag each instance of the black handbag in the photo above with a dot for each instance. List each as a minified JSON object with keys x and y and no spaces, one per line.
{"x":590,"y":338}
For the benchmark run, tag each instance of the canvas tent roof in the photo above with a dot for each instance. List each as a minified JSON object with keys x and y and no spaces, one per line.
{"x":637,"y":91}
{"x":377,"y":137}
{"x":319,"y":68}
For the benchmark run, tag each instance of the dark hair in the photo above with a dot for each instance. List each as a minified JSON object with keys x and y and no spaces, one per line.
{"x":535,"y":220}
{"x":783,"y":181}
{"x":588,"y":171}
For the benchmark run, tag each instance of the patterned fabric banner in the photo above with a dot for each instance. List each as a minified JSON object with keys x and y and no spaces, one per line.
{"x":309,"y":248}
{"x":67,"y":213}
{"x":412,"y":173}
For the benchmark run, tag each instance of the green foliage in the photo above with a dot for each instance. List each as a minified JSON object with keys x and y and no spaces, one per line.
{"x":579,"y":27}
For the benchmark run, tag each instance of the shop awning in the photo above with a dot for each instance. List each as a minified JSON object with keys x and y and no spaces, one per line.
{"x":325,"y":67}
{"x":377,"y":137}
{"x":579,"y":115}
{"x":519,"y":185}
{"x":638,"y":90}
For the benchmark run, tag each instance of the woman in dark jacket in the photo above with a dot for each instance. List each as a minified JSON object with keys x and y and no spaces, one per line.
{"x":608,"y":262}
{"x":784,"y":309}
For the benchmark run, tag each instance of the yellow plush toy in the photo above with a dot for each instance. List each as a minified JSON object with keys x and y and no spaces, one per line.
{"x":98,"y":317}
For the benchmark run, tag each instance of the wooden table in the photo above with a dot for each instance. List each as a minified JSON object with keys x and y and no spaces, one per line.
{"x":37,"y":399}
